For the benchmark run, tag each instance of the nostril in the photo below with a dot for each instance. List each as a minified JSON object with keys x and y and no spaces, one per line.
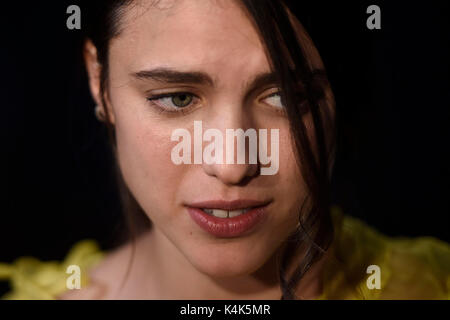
{"x":232,"y":174}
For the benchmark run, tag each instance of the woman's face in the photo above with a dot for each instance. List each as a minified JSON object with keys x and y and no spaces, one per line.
{"x":214,"y":55}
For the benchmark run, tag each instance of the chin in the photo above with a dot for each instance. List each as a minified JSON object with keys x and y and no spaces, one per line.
{"x":230,"y":270}
{"x":227,"y":263}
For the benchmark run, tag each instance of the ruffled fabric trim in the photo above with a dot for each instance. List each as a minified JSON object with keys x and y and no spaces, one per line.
{"x":32,"y":279}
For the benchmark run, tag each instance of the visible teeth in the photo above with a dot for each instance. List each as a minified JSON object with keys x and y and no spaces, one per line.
{"x":220,"y":213}
{"x":235,"y":213}
{"x":224,"y":213}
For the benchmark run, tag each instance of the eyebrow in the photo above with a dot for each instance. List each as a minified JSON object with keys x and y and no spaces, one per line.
{"x":262,"y":80}
{"x":168,"y":75}
{"x":173,"y":76}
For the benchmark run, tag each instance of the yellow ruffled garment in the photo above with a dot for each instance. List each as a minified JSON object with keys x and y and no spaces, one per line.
{"x":32,"y":279}
{"x":410,"y":268}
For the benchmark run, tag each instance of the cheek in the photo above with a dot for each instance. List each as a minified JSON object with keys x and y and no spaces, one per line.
{"x":291,"y":189}
{"x":289,"y":174}
{"x":143,"y":150}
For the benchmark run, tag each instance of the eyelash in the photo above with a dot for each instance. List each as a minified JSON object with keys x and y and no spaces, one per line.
{"x":277,"y":93}
{"x":282,"y":110}
{"x":174,"y":110}
{"x":187,"y":109}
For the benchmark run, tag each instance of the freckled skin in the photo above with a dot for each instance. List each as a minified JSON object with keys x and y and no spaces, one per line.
{"x":218,"y":40}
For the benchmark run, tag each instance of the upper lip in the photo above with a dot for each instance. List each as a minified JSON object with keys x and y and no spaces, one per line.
{"x":228,"y":205}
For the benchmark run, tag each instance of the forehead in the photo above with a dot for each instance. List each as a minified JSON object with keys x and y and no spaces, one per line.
{"x":188,"y":34}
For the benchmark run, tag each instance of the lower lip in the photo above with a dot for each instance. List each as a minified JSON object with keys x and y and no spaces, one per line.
{"x":228,"y":227}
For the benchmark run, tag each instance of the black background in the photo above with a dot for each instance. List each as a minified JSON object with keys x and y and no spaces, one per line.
{"x":392,"y":90}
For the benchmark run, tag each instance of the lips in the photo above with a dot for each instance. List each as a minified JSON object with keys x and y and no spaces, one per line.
{"x":228,"y":218}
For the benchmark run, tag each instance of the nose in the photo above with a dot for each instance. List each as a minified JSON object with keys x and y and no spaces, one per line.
{"x":233,"y":172}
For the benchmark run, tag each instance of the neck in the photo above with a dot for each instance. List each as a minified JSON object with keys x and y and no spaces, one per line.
{"x":161,"y":271}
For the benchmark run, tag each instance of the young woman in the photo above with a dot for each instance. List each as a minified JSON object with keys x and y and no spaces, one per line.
{"x":223,"y":230}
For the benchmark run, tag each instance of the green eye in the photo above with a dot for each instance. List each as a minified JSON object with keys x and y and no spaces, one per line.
{"x":181,"y":100}
{"x":173,"y":101}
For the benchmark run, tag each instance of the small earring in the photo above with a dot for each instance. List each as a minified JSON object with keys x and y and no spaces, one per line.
{"x":99,"y":114}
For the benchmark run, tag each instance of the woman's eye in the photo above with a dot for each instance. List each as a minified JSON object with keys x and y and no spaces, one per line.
{"x":173,"y":100}
{"x":274,"y":100}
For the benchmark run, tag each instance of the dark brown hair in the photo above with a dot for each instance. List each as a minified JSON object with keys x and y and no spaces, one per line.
{"x":304,"y":88}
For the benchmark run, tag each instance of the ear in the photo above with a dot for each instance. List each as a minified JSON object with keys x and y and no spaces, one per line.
{"x":94,"y":68}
